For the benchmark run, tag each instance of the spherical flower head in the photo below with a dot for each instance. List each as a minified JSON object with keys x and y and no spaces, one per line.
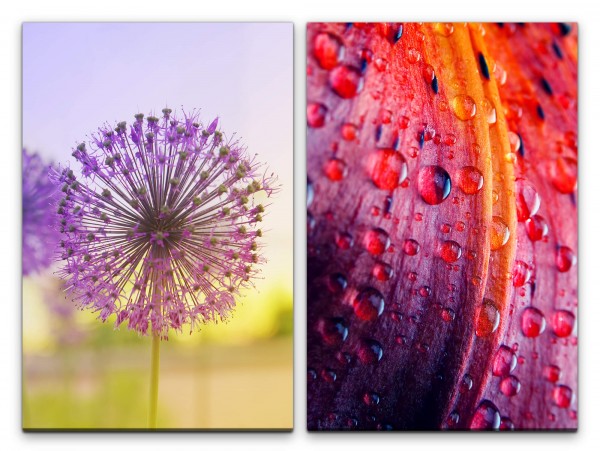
{"x":160,"y":228}
{"x":39,"y":235}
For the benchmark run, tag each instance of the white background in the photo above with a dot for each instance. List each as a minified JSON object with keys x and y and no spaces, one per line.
{"x":299,"y":12}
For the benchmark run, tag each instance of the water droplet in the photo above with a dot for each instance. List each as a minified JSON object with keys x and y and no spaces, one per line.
{"x":425,"y":291}
{"x":371,"y":399}
{"x":469,"y":180}
{"x":459,"y":226}
{"x":328,"y":50}
{"x":488,"y":319}
{"x":310,"y":193}
{"x":411,"y":247}
{"x":514,"y":142}
{"x":565,"y":258}
{"x":428,"y":73}
{"x":337,"y":283}
{"x":388,"y":169}
{"x":344,"y":240}
{"x":349,"y":132}
{"x":376,"y":241}
{"x":413,"y":56}
{"x":506,"y":424}
{"x":562,"y":395}
{"x":453,"y":419}
{"x":345,"y":81}
{"x":315,"y":114}
{"x":328,"y":376}
{"x":521,"y":273}
{"x":464,"y":107}
{"x":444,"y":29}
{"x":381,"y":64}
{"x":563,"y":174}
{"x":533,"y":322}
{"x":528,"y":199}
{"x":448,"y":314}
{"x":382,"y":271}
{"x":505,"y":361}
{"x":489,"y":111}
{"x":466,"y":383}
{"x":335,"y":169}
{"x":332,"y":330}
{"x":486,"y":416}
{"x":536,"y":227}
{"x":370,"y":351}
{"x":552,"y":373}
{"x":368,"y":304}
{"x":510,"y":386}
{"x":499,"y":233}
{"x":562,"y":323}
{"x":434,"y":184}
{"x":450,"y":251}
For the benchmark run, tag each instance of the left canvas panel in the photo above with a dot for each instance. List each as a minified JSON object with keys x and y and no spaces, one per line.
{"x":157,"y":226}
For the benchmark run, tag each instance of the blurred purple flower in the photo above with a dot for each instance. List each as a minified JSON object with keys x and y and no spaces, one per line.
{"x":39,"y":232}
{"x":161,"y":228}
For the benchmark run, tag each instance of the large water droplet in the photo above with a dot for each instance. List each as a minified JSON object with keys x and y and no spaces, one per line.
{"x":469,"y":180}
{"x":434,"y":184}
{"x":464,"y":107}
{"x":499,"y":233}
{"x":368,"y":304}
{"x":328,"y":50}
{"x":345,"y":81}
{"x":563,"y":322}
{"x":510,"y":386}
{"x":565,"y":258}
{"x":486,"y":416}
{"x":536,"y":227}
{"x":562,"y":396}
{"x":333,"y":330}
{"x":335,"y":169}
{"x":528,"y":199}
{"x":488,"y":319}
{"x":315,"y":114}
{"x":450,"y":251}
{"x":505,"y":361}
{"x":388,"y":169}
{"x":376,"y":241}
{"x":563,"y":174}
{"x":533,"y":322}
{"x":370,"y":351}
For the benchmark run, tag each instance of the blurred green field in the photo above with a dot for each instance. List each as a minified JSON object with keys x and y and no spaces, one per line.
{"x":79,"y":373}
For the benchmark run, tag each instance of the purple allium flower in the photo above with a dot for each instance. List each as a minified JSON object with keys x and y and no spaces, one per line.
{"x":39,"y":235}
{"x":161,"y":228}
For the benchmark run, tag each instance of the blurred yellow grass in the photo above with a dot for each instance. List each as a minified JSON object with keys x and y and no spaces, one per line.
{"x":80,"y":373}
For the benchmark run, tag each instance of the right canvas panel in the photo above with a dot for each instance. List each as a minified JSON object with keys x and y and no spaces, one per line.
{"x":442,"y":226}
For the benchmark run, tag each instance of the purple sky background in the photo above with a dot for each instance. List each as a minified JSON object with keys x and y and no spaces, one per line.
{"x":77,"y":76}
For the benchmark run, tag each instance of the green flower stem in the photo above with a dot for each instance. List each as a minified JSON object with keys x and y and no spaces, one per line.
{"x":154,"y":380}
